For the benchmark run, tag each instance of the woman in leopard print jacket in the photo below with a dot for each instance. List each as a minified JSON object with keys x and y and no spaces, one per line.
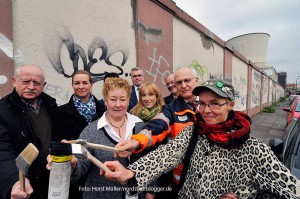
{"x":218,"y":153}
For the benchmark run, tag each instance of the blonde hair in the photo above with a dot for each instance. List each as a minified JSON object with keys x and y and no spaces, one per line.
{"x":115,"y":83}
{"x":152,"y":88}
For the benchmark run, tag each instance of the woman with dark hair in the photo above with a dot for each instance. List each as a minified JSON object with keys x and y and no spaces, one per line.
{"x":71,"y":118}
{"x":221,"y":159}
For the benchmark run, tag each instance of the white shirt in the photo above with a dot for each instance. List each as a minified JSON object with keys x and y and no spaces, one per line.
{"x":137,"y":91}
{"x":131,"y":120}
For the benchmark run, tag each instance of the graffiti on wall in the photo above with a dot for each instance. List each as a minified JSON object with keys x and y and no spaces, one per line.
{"x":149,"y":34}
{"x":265,"y":87}
{"x":215,"y":75}
{"x":201,"y":71}
{"x":7,"y":48}
{"x":57,"y":92}
{"x":207,"y":43}
{"x":256,"y":88}
{"x":240,"y":85}
{"x":155,"y":69}
{"x":98,"y":55}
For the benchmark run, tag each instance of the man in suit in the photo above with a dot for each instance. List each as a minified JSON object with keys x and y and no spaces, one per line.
{"x":137,"y":78}
{"x":170,"y":83}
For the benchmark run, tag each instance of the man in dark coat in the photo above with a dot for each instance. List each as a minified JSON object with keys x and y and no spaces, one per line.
{"x":170,"y":83}
{"x":25,"y":117}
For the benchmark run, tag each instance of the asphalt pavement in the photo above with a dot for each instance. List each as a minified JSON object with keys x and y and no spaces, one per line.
{"x":266,"y":126}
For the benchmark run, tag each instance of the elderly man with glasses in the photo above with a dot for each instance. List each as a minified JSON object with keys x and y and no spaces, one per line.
{"x":173,"y":118}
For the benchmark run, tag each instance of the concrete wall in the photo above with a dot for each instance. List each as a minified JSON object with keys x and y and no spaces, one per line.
{"x":240,"y":82}
{"x":265,"y":89}
{"x":64,"y":36}
{"x":192,"y":48}
{"x":256,"y":89}
{"x":116,"y":35}
{"x":154,"y":42}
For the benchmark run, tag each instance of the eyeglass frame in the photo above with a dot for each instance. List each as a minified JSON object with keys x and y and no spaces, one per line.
{"x":209,"y":105}
{"x":186,"y":81}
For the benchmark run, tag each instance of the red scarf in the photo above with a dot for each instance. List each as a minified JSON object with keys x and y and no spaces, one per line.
{"x":229,"y":134}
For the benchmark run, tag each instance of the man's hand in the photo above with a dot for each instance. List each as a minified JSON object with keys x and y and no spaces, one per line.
{"x":16,"y":192}
{"x":126,"y":147}
{"x":118,"y":172}
{"x":73,"y":162}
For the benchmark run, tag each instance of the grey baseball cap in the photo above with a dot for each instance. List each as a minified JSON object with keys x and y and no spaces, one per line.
{"x":218,"y":86}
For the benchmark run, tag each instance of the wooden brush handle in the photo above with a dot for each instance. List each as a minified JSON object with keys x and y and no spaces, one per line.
{"x":22,"y":181}
{"x":97,"y":162}
{"x":102,"y":147}
{"x":71,"y":141}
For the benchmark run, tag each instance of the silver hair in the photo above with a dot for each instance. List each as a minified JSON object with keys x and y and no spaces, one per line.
{"x":19,"y":68}
{"x":193,"y":71}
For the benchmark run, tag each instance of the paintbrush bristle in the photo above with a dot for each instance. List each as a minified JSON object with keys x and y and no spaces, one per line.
{"x":29,"y":153}
{"x":27,"y":156}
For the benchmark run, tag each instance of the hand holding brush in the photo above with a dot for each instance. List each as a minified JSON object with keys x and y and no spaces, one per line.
{"x":24,"y":160}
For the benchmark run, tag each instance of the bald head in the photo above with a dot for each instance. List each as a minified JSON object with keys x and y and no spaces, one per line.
{"x":186,"y":80}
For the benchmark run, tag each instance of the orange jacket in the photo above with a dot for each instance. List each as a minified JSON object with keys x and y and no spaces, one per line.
{"x":172,"y":119}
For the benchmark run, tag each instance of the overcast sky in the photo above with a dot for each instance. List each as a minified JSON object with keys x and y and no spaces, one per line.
{"x":231,"y":18}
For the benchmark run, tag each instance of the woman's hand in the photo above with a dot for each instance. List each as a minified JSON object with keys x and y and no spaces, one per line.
{"x":118,"y":172}
{"x":126,"y":147}
{"x":228,"y":196}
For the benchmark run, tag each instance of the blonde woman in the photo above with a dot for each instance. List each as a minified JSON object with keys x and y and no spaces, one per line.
{"x":150,"y":103}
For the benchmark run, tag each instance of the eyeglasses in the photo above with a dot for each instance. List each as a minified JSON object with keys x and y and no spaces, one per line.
{"x":134,"y":76}
{"x":213,"y":105}
{"x":186,"y":81}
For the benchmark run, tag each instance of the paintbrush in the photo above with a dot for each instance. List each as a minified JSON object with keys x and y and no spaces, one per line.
{"x":92,"y":145}
{"x":67,"y":148}
{"x":24,"y":160}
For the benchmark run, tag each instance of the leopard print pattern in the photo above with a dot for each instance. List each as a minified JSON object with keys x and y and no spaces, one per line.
{"x":214,"y":171}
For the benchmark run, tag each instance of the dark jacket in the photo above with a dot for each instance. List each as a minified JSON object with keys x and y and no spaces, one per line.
{"x":168,"y":99}
{"x":68,"y":123}
{"x":133,"y":97}
{"x":16,"y":132}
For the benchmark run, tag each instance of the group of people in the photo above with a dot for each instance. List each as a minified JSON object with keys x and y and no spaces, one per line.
{"x":191,"y":141}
